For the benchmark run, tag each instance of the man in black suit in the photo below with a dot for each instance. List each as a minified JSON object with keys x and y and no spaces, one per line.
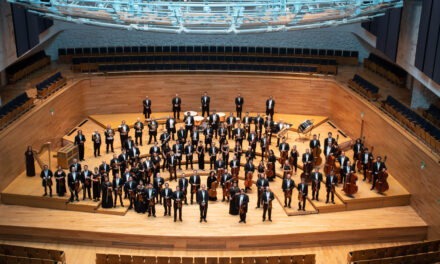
{"x":264,"y":143}
{"x":158,"y":182}
{"x":314,"y":142}
{"x":178,"y":197}
{"x":366,"y":157}
{"x":261,"y":184}
{"x":172,"y":165}
{"x":303,"y":189}
{"x":178,"y":152}
{"x":167,"y":193}
{"x":270,"y":106}
{"x":214,"y":121}
{"x":330,"y":184}
{"x":189,"y":123}
{"x":212,"y":152}
{"x":152,"y":130}
{"x":75,"y":165}
{"x":202,"y":200}
{"x":171,"y":126}
{"x":258,"y":121}
{"x":307,"y":159}
{"x":147,"y":107}
{"x":123,"y":130}
{"x":239,"y":133}
{"x":73,"y":178}
{"x":247,"y":120}
{"x":86,"y":180}
{"x":278,"y":128}
{"x":343,"y":161}
{"x":239,"y":101}
{"x":316,"y":183}
{"x":189,"y":152}
{"x":130,"y":188}
{"x":230,"y":122}
{"x":123,"y":159}
{"x":109,"y":134}
{"x":79,"y":141}
{"x":181,"y":135}
{"x":138,"y":127}
{"x":46,"y":176}
{"x":267,"y":199}
{"x":226,"y":177}
{"x":194,"y":180}
{"x":176,"y":102}
{"x":287,"y":186}
{"x":378,"y":166}
{"x":205,"y":104}
{"x":183,"y":186}
{"x":118,"y":185}
{"x":329,"y":140}
{"x":134,"y":153}
{"x":268,"y":125}
{"x":208,"y":132}
{"x":96,"y":139}
{"x":151,"y":195}
{"x":242,"y":205}
{"x":114,"y":166}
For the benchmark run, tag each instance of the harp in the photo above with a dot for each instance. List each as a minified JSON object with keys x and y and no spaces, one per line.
{"x":37,"y":153}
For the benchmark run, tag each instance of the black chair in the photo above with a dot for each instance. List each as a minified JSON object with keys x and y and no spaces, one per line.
{"x":298,"y":51}
{"x":127,"y":49}
{"x":174,"y":49}
{"x":338,"y":53}
{"x":243,"y":50}
{"x":158,"y":49}
{"x":95,"y":51}
{"x":354,"y":54}
{"x":192,"y":67}
{"x":267,"y":50}
{"x":103,"y":50}
{"x":160,"y":67}
{"x":143,"y":67}
{"x":290,"y":51}
{"x":189,"y":49}
{"x":87,"y":51}
{"x":330,"y":53}
{"x":182,"y":49}
{"x":197,"y":49}
{"x":236,"y":49}
{"x":220,"y":49}
{"x":251,"y":50}
{"x":283,"y":51}
{"x":346,"y":53}
{"x":213,"y":49}
{"x":62,"y":52}
{"x":111,"y":50}
{"x":176,"y":66}
{"x":184,"y":66}
{"x":322,"y":52}
{"x":259,"y":50}
{"x":135,"y":49}
{"x":275,"y":51}
{"x":306,"y":51}
{"x":119,"y":67}
{"x":150,"y":49}
{"x":228,"y":49}
{"x":166,"y":49}
{"x":314,"y":52}
{"x":119,"y":50}
{"x":70,"y":51}
{"x":78,"y":51}
{"x":205,"y":49}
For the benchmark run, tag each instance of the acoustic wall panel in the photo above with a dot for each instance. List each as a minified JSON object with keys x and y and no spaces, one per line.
{"x":392,"y":41}
{"x":431,"y":42}
{"x":32,"y":29}
{"x":425,"y":18}
{"x":20,"y":29}
{"x":436,"y":76}
{"x":382,"y":32}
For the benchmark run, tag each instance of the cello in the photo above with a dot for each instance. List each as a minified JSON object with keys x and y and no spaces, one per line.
{"x":234,"y":173}
{"x":248,"y":180}
{"x":213,"y":190}
{"x":329,"y":164}
{"x":350,"y":186}
{"x":316,"y":153}
{"x":220,"y":172}
{"x":269,"y":171}
{"x":307,"y":168}
{"x":283,"y":158}
{"x":369,"y":167}
{"x":382,"y":184}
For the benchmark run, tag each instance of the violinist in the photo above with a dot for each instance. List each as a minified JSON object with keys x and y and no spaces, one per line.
{"x":164,"y":138}
{"x":134,"y":153}
{"x":212,"y":152}
{"x":329,"y":140}
{"x":46,"y":176}
{"x":358,"y":148}
{"x":147,"y":167}
{"x":211,"y":183}
{"x":117,"y":189}
{"x":152,"y":130}
{"x":242,"y":204}
{"x":183,"y":186}
{"x":316,"y":183}
{"x":109,"y":134}
{"x":208,"y":133}
{"x":96,"y":184}
{"x":222,"y":131}
{"x":86,"y":180}
{"x":249,"y":167}
{"x":268,"y":126}
{"x":176,"y":102}
{"x":194,"y":180}
{"x":278,"y":128}
{"x":75,"y":165}
{"x":346,"y":170}
{"x":104,"y":167}
{"x":202,"y":200}
{"x":60,"y":177}
{"x":158,"y":182}
{"x":284,"y":150}
{"x":114,"y":165}
{"x":172,"y":165}
{"x":123,"y":130}
{"x":155,"y":159}
{"x":261,"y":184}
{"x":129,"y":144}
{"x":165,"y":154}
{"x":219,"y":165}
{"x":178,"y":196}
{"x":130,"y":188}
{"x":238,"y":135}
{"x":140,"y":205}
{"x":146,"y":107}
{"x":226,"y":181}
{"x":330,"y":184}
{"x":170,"y":126}
{"x":264,"y":145}
{"x":252,"y":140}
{"x":267,"y":198}
{"x":189,"y":152}
{"x":250,"y":154}
{"x":287,"y":186}
{"x":166,"y":193}
{"x":235,"y":166}
{"x":178,"y":151}
{"x":182,"y":134}
{"x":258,"y":121}
{"x":214,"y":121}
{"x":230,"y":122}
{"x":366,"y":160}
{"x":96,"y":139}
{"x":293,"y":160}
{"x":343,"y":161}
{"x":138,"y":127}
{"x":303,"y":189}
{"x":261,"y":168}
{"x":73,"y":179}
{"x":151,"y":195}
{"x":122,"y":162}
{"x":378,"y":166}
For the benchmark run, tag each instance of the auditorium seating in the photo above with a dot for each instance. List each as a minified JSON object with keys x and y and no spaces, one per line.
{"x":50,"y":84}
{"x":433,"y":114}
{"x":367,"y":88}
{"x":14,"y":108}
{"x":390,"y":71}
{"x":127,"y":259}
{"x":24,"y":67}
{"x":424,"y":129}
{"x":21,"y":254}
{"x":425,"y":252}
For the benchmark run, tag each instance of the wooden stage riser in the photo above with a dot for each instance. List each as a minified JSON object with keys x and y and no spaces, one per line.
{"x":219,"y":243}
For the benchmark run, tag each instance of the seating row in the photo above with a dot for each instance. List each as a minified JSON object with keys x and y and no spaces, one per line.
{"x":33,"y":253}
{"x":23,"y":260}
{"x":368,"y":89}
{"x":127,"y":259}
{"x":424,"y":129}
{"x":390,"y":71}
{"x":50,"y":84}
{"x":422,"y":258}
{"x":433,"y":114}
{"x":207,"y":67}
{"x":342,"y":56}
{"x":24,"y":67}
{"x":13,"y":108}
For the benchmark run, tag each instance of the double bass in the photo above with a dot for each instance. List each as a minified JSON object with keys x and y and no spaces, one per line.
{"x":316,"y":152}
{"x":350,"y":186}
{"x":213,"y":190}
{"x":248,"y":180}
{"x":382,"y":184}
{"x":306,"y":172}
{"x":329,"y":164}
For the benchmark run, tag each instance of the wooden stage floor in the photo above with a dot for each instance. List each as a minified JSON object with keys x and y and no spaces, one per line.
{"x":222,"y":232}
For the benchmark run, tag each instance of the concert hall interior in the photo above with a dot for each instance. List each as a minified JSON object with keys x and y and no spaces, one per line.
{"x":219,"y":132}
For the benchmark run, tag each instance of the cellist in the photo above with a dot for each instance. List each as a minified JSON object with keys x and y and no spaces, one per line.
{"x":287,"y":186}
{"x":378,"y":166}
{"x":249,"y":170}
{"x":346,"y":170}
{"x":314,"y":143}
{"x":358,"y":148}
{"x":284,"y":151}
{"x":366,"y":159}
{"x":166,"y":193}
{"x":211,"y":183}
{"x":343,"y":160}
{"x":316,"y":183}
{"x":329,"y":140}
{"x":226,"y":182}
{"x":307,"y":159}
{"x":330,"y":184}
{"x":293,"y":160}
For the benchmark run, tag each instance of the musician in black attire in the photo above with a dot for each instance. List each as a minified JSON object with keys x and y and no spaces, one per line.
{"x":303,"y":188}
{"x":176,"y":102}
{"x":183,"y":186}
{"x":123,"y":130}
{"x":118,"y":184}
{"x":226,"y":177}
{"x":358,"y":148}
{"x":307,"y":159}
{"x":287,"y":186}
{"x":164,"y":138}
{"x":378,"y":166}
{"x":239,"y":134}
{"x":171,"y":126}
{"x":189,"y":151}
{"x":151,"y":195}
{"x":147,"y":107}
{"x":268,"y":125}
{"x":123,"y":158}
{"x":249,"y":167}
{"x":167,"y":193}
{"x":60,"y":177}
{"x":278,"y":128}
{"x":261,"y":184}
{"x":284,"y":147}
{"x":73,"y":179}
{"x":30,"y":162}
{"x":242,"y":204}
{"x":96,"y":139}
{"x":155,"y":159}
{"x":96,"y":184}
{"x":230,"y":122}
{"x":314,"y":143}
{"x":178,"y":196}
{"x":212,"y":152}
{"x":79,"y":141}
{"x":316,"y":183}
{"x":86,"y":180}
{"x":205,"y":104}
{"x":270,"y":106}
{"x":172,"y":162}
{"x":252,"y":140}
{"x":158,"y":182}
{"x":189,"y":123}
{"x":138,"y":127}
{"x":181,"y":135}
{"x":343,"y":161}
{"x":264,"y":143}
{"x":194,"y":136}
{"x":209,"y":181}
{"x":208,"y":132}
{"x":365,"y":158}
{"x":202,"y":200}
{"x":329,"y":140}
{"x":166,"y":152}
{"x":109,"y":134}
{"x":239,"y":101}
{"x":330,"y":183}
{"x":258,"y":121}
{"x":194,"y":180}
{"x":130,"y":188}
{"x":46,"y":176}
{"x":294,"y":157}
{"x":267,"y":198}
{"x":214,"y":121}
{"x":222,"y":131}
{"x":178,"y":151}
{"x":152,"y":130}
{"x":107,"y":197}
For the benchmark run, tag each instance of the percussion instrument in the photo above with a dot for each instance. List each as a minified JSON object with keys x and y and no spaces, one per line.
{"x":198,"y":120}
{"x":222,"y":117}
{"x":305,"y":126}
{"x":191,"y":113}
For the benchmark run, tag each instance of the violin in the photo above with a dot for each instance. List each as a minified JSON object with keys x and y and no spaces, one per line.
{"x":269,"y":171}
{"x":248,"y":180}
{"x":382,"y":184}
{"x":213,"y":190}
{"x":49,"y":182}
{"x":350,"y":186}
{"x":316,"y":152}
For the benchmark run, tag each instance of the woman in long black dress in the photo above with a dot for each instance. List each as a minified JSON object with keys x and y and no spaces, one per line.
{"x":272,"y":159}
{"x":294,"y":157}
{"x":30,"y":162}
{"x":107,"y":194}
{"x":201,"y":155}
{"x":234,"y":192}
{"x":96,"y":184}
{"x":60,"y":179}
{"x":211,"y":179}
{"x":140,"y":205}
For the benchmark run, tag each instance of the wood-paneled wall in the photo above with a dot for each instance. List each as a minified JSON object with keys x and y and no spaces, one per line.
{"x":299,"y":96}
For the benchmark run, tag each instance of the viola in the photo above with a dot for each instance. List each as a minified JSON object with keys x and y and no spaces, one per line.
{"x":248,"y":180}
{"x":350,"y":186}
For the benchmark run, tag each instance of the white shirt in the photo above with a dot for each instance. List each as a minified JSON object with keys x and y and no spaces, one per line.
{"x":241,"y":199}
{"x":203,"y":196}
{"x":270,"y":104}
